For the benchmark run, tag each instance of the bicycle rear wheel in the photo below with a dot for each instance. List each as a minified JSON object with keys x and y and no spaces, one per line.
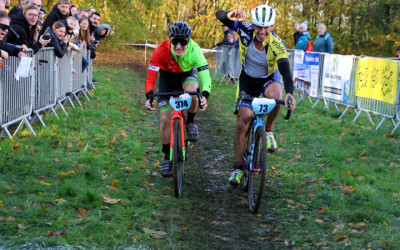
{"x":177,"y":159}
{"x":257,"y":175}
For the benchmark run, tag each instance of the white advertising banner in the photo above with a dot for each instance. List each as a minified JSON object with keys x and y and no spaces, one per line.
{"x":305,"y":72}
{"x":336,"y":77}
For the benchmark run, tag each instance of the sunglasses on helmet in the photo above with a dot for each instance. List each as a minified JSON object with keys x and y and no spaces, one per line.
{"x":4,"y":27}
{"x":182,"y":42}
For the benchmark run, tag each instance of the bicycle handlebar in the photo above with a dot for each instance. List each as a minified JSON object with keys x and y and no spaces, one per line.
{"x":243,"y":97}
{"x":176,"y":94}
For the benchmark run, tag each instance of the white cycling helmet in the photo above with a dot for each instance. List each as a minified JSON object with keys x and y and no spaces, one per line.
{"x":263,"y":16}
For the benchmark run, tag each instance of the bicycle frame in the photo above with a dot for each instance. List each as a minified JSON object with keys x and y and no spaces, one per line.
{"x":181,"y":116}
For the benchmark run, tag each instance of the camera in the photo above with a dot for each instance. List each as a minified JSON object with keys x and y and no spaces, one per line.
{"x":47,"y":34}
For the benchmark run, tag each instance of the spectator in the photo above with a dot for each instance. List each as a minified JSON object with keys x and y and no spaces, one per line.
{"x":17,"y":9}
{"x":91,"y":10}
{"x":297,"y":33}
{"x":94,"y":22}
{"x":103,"y":31}
{"x":25,"y":25}
{"x":81,"y":14}
{"x":70,"y":24}
{"x":42,"y":14}
{"x":73,"y":10}
{"x":82,"y":38}
{"x":323,"y":42}
{"x":398,"y":52}
{"x":7,"y":5}
{"x":59,"y":40}
{"x":37,"y":3}
{"x":7,"y":49}
{"x":2,"y":7}
{"x":60,"y":11}
{"x":226,"y":31}
{"x":304,"y":41}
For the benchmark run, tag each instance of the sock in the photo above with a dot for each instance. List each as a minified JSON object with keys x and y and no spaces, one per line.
{"x":190,"y":117}
{"x":166,"y":150}
{"x":268,"y":128}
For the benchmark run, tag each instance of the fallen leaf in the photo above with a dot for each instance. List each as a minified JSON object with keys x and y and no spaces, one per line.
{"x":286,"y":243}
{"x":155,"y":234}
{"x":109,"y":200}
{"x":340,"y":237}
{"x":69,"y":145}
{"x":21,"y":226}
{"x":184,"y":229}
{"x":60,"y":201}
{"x":321,"y":222}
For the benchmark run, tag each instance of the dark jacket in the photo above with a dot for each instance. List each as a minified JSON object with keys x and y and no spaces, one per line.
{"x":14,"y":11}
{"x":26,"y":33}
{"x":225,"y":40}
{"x":60,"y":48}
{"x":54,"y":16}
{"x":12,"y":50}
{"x":296,"y":37}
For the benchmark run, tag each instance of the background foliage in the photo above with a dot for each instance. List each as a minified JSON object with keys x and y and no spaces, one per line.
{"x":369,"y":27}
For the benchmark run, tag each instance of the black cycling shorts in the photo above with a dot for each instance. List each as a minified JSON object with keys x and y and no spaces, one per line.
{"x":169,"y":82}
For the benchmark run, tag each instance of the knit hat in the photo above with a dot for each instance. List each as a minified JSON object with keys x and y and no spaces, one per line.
{"x":304,"y":26}
{"x":321,"y":25}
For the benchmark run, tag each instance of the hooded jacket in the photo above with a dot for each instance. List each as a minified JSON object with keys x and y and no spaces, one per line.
{"x":26,"y":33}
{"x":303,"y":41}
{"x":54,"y":16}
{"x":323,"y":43}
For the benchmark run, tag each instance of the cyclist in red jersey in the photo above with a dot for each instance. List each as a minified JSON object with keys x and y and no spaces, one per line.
{"x":177,"y":59}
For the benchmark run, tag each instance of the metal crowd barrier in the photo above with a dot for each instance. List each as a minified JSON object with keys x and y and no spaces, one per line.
{"x":16,"y":96}
{"x":45,"y":89}
{"x":51,"y":83}
{"x":227,"y":56}
{"x":228,"y":64}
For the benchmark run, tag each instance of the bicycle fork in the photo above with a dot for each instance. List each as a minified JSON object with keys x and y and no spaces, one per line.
{"x":258,"y":123}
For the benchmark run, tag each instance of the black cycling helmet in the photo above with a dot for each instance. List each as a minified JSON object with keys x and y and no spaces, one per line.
{"x":179,"y":30}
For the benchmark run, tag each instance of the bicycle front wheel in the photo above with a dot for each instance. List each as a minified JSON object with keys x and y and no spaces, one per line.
{"x":256,"y":182}
{"x":177,"y":159}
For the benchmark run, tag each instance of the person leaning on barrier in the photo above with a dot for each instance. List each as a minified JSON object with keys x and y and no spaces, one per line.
{"x":103,"y":31}
{"x":398,"y":52}
{"x":226,"y":31}
{"x":25,"y":25}
{"x":94,"y":22}
{"x":82,"y":38}
{"x":60,"y":11}
{"x":59,"y":40}
{"x":7,"y":49}
{"x":323,"y":43}
{"x":177,"y":60}
{"x":70,"y":24}
{"x":262,"y":54}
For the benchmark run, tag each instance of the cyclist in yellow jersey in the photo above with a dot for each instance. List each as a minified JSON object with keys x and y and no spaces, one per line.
{"x":262,"y":54}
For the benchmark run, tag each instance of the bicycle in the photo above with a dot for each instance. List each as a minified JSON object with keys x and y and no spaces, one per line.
{"x":179,"y":101}
{"x":255,"y":153}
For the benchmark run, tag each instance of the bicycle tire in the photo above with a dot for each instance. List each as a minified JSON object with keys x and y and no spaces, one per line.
{"x":256,"y":182}
{"x":177,"y":159}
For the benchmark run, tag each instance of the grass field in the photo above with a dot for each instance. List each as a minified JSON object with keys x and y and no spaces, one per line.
{"x":91,"y":180}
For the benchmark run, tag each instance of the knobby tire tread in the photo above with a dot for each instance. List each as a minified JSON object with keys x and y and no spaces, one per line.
{"x":260,"y":162}
{"x":177,"y":159}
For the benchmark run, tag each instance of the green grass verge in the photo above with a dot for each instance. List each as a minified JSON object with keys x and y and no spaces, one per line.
{"x":91,"y":180}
